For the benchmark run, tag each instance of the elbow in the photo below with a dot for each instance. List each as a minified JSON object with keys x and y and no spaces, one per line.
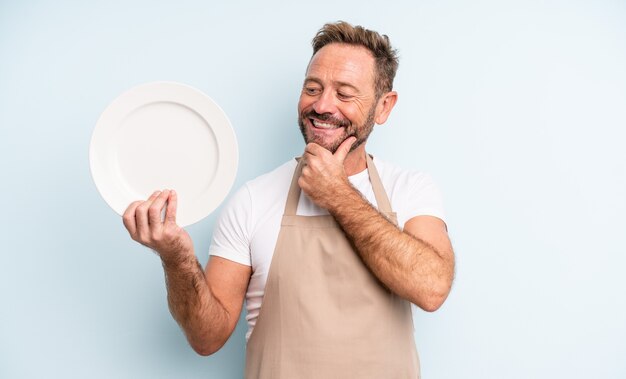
{"x":206,"y":342}
{"x":432,"y":303}
{"x":204,"y":353}
{"x":206,"y":348}
{"x":432,"y":300}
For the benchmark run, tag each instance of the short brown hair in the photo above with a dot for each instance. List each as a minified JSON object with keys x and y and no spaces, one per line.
{"x":385,"y":56}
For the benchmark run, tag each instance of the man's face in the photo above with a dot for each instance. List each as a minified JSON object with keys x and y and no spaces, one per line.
{"x":338,"y":98}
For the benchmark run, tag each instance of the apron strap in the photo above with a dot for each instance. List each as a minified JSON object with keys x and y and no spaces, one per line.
{"x":293,"y":197}
{"x":291,"y":206}
{"x":384,"y":205}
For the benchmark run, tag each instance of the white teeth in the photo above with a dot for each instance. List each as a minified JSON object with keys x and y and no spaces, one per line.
{"x":323,"y":125}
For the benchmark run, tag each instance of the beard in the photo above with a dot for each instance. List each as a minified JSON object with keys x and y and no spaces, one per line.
{"x":361,"y":132}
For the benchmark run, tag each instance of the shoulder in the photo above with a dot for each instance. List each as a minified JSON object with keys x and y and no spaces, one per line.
{"x":264,"y":187}
{"x":395,"y":177}
{"x":270,"y":179}
{"x":251,"y":205}
{"x":263,"y":193}
{"x":411,"y":192}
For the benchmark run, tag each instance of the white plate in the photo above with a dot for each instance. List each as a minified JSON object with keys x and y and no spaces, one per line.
{"x":164,"y":135}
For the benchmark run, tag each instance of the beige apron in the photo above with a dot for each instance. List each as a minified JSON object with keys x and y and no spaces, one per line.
{"x":324,"y":315}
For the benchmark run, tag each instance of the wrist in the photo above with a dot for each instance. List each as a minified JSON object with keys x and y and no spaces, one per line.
{"x":344,"y":196}
{"x":180,"y":259}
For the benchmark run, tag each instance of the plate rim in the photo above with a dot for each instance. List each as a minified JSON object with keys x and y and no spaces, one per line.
{"x":225,"y":137}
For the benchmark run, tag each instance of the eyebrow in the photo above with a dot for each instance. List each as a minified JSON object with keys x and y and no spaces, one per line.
{"x":337,"y":83}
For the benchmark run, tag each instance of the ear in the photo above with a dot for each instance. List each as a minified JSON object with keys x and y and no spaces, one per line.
{"x":384,"y":106}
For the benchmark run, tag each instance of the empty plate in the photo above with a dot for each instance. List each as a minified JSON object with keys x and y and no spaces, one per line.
{"x":164,"y":135}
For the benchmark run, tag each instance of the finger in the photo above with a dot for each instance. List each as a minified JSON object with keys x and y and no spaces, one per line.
{"x":309,"y":162}
{"x":306,"y":158}
{"x":344,"y":148}
{"x":141,"y":215}
{"x":314,"y":149}
{"x":172,"y":205}
{"x":129,"y":218}
{"x":301,"y":183}
{"x":156,"y":208}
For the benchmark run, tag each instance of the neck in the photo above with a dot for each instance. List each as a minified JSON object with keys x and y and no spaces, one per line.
{"x":355,"y":161}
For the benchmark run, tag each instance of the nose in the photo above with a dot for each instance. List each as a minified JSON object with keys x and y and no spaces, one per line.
{"x":325,"y":103}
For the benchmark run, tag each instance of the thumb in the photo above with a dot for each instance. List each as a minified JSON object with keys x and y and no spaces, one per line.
{"x":172,"y":205}
{"x":344,"y":148}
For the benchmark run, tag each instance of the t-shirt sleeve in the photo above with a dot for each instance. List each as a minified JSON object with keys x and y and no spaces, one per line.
{"x":231,"y":236}
{"x":421,"y":198}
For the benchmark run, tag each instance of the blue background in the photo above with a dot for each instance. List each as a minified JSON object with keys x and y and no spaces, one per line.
{"x":517,"y":108}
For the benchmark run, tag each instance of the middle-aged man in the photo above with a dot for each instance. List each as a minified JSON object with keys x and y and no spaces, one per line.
{"x":327,"y":267}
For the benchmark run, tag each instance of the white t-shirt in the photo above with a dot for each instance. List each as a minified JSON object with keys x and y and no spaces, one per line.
{"x":248,"y":226}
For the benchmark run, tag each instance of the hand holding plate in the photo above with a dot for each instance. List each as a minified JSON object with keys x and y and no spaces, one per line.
{"x":143,"y":221}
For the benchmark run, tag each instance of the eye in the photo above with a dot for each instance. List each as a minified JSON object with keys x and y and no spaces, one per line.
{"x":311,"y":91}
{"x":344,"y":96}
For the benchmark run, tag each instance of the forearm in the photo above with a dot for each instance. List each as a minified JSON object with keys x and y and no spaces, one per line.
{"x":408,"y":266}
{"x":201,"y":316}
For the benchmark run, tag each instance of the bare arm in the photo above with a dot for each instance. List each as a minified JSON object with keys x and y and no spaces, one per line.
{"x":416,"y":264}
{"x":205,"y":305}
{"x":410,"y":266}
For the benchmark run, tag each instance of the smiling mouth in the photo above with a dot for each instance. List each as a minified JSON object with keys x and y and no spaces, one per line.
{"x":324,"y":125}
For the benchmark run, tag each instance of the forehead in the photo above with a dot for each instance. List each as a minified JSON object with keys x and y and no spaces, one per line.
{"x":342,"y":63}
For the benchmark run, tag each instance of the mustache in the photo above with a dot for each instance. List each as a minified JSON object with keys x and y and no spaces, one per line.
{"x":326,"y":117}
